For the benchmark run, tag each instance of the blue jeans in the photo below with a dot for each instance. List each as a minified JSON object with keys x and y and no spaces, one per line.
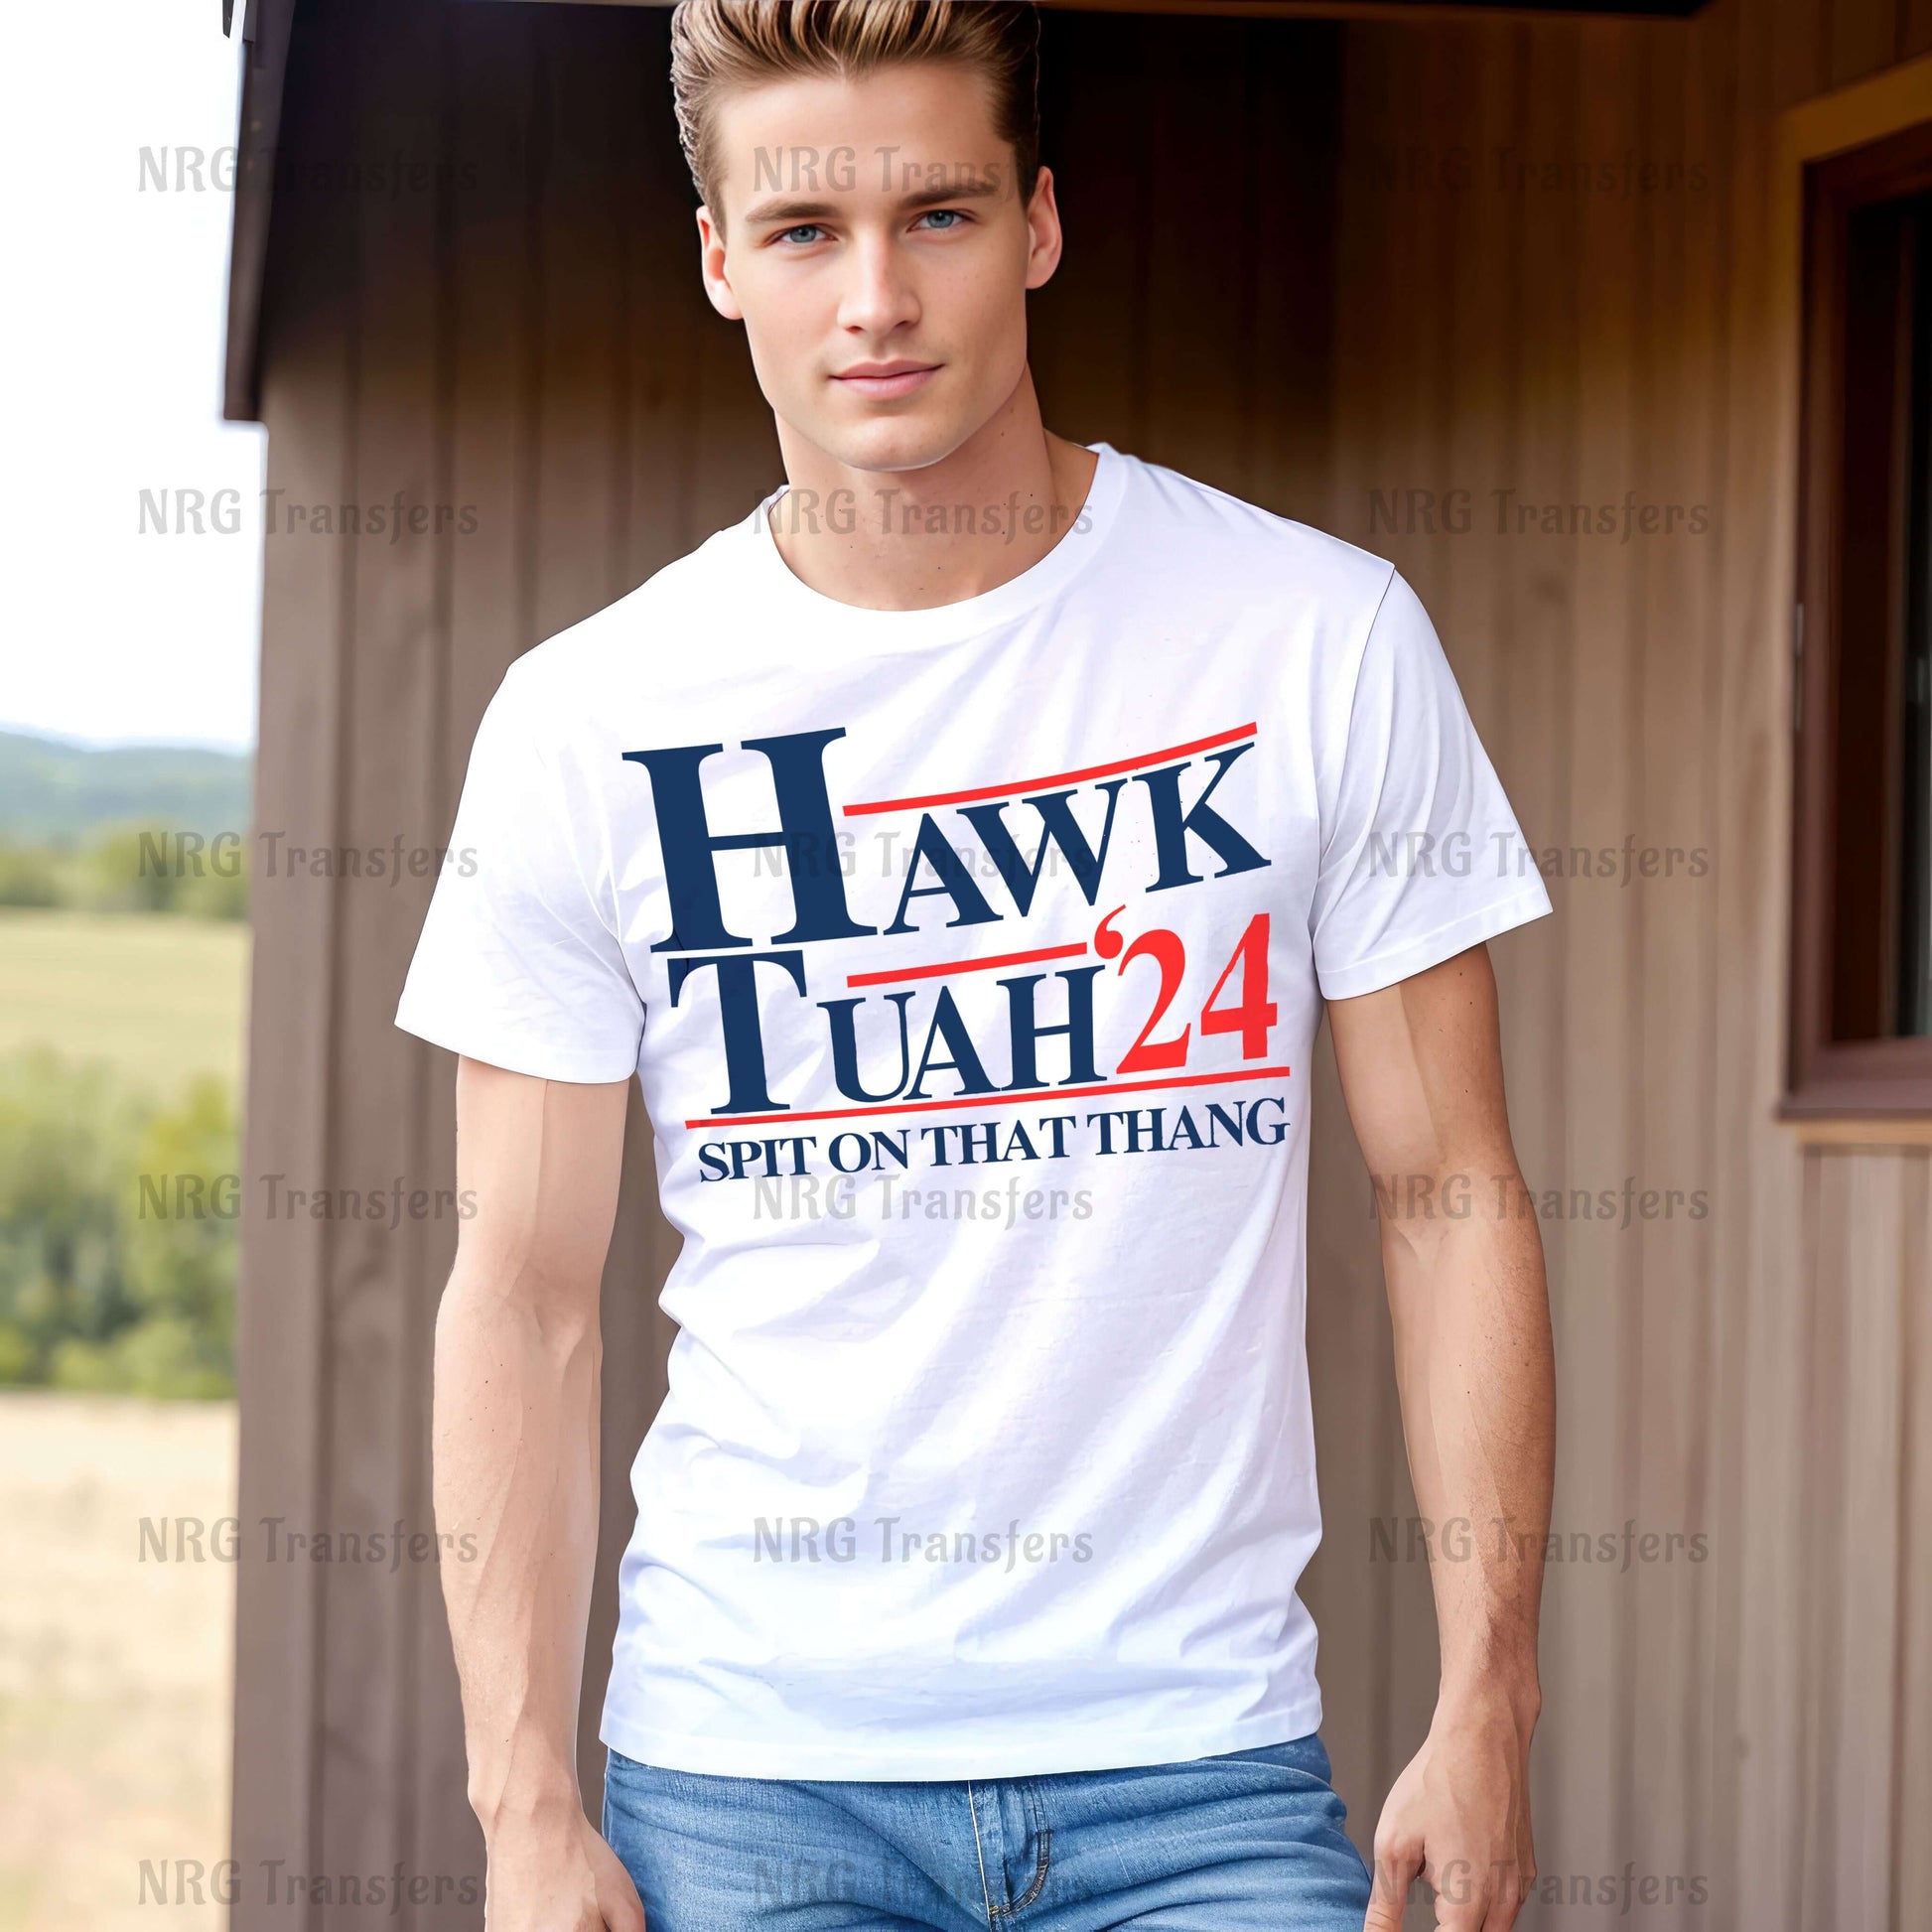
{"x":1252,"y":1840}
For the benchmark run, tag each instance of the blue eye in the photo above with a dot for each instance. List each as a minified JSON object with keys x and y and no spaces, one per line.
{"x":810,"y":230}
{"x":949,"y":215}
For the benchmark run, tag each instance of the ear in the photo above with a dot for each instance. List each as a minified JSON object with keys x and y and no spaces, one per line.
{"x":1043,"y":232}
{"x":711,"y":266}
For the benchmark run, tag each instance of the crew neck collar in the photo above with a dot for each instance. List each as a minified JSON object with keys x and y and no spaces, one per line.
{"x":940,"y":623}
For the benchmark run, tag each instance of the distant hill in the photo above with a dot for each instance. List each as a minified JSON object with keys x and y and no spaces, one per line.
{"x":50,"y":788}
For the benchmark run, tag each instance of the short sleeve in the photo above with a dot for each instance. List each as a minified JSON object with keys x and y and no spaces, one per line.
{"x":518,"y":963}
{"x":1421,"y":855}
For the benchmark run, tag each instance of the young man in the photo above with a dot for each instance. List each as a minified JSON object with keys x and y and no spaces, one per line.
{"x":960,"y":851}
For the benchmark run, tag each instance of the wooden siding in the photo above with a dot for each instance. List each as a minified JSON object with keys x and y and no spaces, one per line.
{"x":1294,"y":270}
{"x":1756,"y":1724}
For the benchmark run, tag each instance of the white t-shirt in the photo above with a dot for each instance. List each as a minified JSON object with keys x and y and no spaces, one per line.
{"x":970,"y":959}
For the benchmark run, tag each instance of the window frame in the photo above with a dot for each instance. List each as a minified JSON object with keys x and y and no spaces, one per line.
{"x":1851,"y":161}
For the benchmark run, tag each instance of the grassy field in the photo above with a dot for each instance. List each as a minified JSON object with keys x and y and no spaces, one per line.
{"x":114,"y":1671}
{"x":160,"y":997}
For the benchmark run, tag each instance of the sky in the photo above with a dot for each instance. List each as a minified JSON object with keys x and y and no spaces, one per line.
{"x":112,"y":345}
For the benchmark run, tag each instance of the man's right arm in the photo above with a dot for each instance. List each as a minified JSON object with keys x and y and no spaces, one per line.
{"x":516,"y":1443}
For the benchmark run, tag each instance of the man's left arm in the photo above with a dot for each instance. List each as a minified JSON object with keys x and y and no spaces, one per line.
{"x":1422,"y":1070}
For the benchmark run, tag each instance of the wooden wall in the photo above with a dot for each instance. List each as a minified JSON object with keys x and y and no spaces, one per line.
{"x":1758,"y":1722}
{"x":1294,"y":271}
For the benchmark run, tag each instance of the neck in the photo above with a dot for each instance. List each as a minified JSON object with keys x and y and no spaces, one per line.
{"x":914,"y":539}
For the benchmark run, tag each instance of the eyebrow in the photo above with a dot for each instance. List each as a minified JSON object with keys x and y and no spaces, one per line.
{"x":791,"y":213}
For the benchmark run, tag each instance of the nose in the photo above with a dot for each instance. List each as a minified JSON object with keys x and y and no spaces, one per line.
{"x":879,"y":296}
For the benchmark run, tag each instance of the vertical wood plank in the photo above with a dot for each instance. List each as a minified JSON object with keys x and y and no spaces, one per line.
{"x":1862,"y":1531}
{"x":1821,"y":1422}
{"x":1800,"y":32}
{"x":383,"y":1278}
{"x":1910,"y":1873}
{"x":282,"y":1320}
{"x":1916,"y":29}
{"x":1202,"y":351}
{"x":1664,"y":1592}
{"x":1289,"y":191}
{"x":1086,"y":327}
{"x":1761,"y":1275}
{"x":1589,"y":1745}
{"x":1864,"y":37}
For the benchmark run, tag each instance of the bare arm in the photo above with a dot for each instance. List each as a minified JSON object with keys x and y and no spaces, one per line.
{"x":515,"y":1441}
{"x":1421,"y":1068}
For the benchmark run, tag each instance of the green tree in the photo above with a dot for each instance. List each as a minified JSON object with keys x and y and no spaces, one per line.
{"x":179,"y":1245}
{"x":29,"y":876}
{"x":152,"y":868}
{"x":66,"y":1135}
{"x":117,"y":1232}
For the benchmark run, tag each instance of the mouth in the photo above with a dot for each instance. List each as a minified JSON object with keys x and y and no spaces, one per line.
{"x":886,"y":381}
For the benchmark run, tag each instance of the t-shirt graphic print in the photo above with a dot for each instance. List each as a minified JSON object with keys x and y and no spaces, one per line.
{"x":969,"y":960}
{"x":935,"y":1038}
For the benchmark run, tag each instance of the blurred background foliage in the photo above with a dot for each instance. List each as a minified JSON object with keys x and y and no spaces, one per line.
{"x":123,"y":961}
{"x":117,"y":1231}
{"x":134,"y":868}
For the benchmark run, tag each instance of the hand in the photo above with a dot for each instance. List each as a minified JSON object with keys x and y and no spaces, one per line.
{"x":1459,"y":1813}
{"x":555,"y":1873}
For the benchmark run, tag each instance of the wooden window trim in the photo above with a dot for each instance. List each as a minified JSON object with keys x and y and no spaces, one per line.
{"x":1862,"y":1085}
{"x":1851,"y":1131}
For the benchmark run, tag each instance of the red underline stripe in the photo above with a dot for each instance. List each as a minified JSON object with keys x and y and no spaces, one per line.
{"x":997,"y":1099}
{"x":965,"y":965}
{"x":1053,"y":783}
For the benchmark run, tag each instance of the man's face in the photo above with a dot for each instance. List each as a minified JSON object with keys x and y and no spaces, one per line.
{"x":877,"y":250}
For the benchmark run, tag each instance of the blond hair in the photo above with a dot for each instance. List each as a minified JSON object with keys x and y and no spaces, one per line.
{"x":719,"y":46}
